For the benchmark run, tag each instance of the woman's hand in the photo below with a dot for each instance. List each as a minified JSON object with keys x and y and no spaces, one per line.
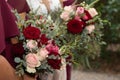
{"x":14,"y":40}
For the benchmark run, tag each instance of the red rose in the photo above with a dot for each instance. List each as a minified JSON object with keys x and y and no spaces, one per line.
{"x":87,"y":16}
{"x":31,"y":32}
{"x":53,"y":50}
{"x":43,"y":39}
{"x":54,"y":63}
{"x":17,"y":50}
{"x":75,"y":26}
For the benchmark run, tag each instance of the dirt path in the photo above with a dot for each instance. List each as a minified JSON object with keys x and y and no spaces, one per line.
{"x":80,"y":75}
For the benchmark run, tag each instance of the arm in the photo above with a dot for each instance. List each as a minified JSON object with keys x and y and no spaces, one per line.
{"x":8,"y":73}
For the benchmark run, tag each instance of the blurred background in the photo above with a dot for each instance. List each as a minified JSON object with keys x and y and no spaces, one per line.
{"x":108,"y":63}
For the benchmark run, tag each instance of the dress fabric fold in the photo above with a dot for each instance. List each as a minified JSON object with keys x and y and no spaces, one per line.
{"x":19,"y":5}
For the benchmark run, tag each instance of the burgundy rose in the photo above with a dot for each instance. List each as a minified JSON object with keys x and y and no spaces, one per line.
{"x":43,"y":39}
{"x":17,"y":50}
{"x":69,"y":58}
{"x":53,"y":49}
{"x":75,"y":26}
{"x":54,"y":63}
{"x":31,"y":32}
{"x":87,"y":16}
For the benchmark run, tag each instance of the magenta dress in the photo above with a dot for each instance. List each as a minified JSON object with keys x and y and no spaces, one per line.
{"x":8,"y":29}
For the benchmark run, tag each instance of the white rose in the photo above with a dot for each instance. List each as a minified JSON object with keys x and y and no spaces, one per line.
{"x":31,"y":44}
{"x":90,"y":28}
{"x":92,"y":12}
{"x":42,"y":53}
{"x":65,"y":15}
{"x":30,"y":70}
{"x":68,"y":8}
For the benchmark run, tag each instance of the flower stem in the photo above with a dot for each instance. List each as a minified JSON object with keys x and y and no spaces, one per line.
{"x":92,"y":4}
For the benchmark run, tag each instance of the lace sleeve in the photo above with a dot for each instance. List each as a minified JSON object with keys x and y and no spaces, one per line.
{"x":55,"y":4}
{"x":37,"y":7}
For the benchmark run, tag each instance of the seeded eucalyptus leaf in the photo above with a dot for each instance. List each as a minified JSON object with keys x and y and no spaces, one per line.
{"x":17,"y":60}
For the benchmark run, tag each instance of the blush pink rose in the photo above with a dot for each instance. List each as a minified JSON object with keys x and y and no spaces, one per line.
{"x":31,"y":44}
{"x":90,"y":28}
{"x":32,"y":60}
{"x":66,"y":13}
{"x":65,"y":16}
{"x":42,"y":53}
{"x":79,"y":11}
{"x":92,"y":12}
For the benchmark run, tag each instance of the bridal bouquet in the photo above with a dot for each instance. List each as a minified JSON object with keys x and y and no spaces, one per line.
{"x":73,"y":31}
{"x":77,"y":31}
{"x":36,"y":53}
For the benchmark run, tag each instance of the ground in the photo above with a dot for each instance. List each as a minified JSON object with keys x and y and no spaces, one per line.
{"x":89,"y":75}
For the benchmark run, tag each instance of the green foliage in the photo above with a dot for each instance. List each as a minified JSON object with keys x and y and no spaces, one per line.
{"x":110,"y":11}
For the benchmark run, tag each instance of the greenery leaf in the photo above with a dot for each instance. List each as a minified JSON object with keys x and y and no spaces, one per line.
{"x":17,"y":60}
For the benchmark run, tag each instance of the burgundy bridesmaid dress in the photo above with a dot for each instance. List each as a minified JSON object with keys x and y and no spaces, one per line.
{"x":8,"y":29}
{"x":19,"y":5}
{"x":68,"y":2}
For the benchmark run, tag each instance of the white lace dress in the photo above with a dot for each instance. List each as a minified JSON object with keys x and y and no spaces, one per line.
{"x":38,"y":7}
